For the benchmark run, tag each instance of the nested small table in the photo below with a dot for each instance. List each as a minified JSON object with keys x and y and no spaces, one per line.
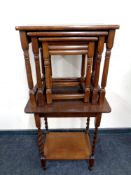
{"x":67,"y":145}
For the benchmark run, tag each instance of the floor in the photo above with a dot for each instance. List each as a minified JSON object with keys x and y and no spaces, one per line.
{"x":19,"y":156}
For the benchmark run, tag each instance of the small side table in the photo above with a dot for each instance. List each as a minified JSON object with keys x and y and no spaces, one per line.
{"x":67,"y":145}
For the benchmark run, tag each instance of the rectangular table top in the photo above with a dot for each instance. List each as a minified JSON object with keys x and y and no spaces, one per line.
{"x":68,"y":108}
{"x":66,"y":27}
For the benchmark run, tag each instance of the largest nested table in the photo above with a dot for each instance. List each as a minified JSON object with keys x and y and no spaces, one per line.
{"x":67,"y":145}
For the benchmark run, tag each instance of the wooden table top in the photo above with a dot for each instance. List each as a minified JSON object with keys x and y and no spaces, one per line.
{"x":68,"y":108}
{"x":66,"y":27}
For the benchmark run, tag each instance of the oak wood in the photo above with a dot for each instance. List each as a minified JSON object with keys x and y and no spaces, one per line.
{"x":67,"y":33}
{"x":50,"y":64}
{"x":88,"y":73}
{"x":97,"y":124}
{"x":46,"y":123}
{"x":25,"y":47}
{"x":83,"y":40}
{"x":40,"y":140}
{"x":68,"y":47}
{"x":37,"y":120}
{"x":47,"y":52}
{"x":35,"y":49}
{"x":87,"y":124}
{"x":67,"y":27}
{"x":61,"y":84}
{"x":67,"y":96}
{"x":67,"y":79}
{"x":67,"y":146}
{"x":48,"y":78}
{"x":100,"y":47}
{"x":69,"y":108}
{"x":83,"y":66}
{"x":42,"y":63}
{"x":109,"y":45}
{"x":67,"y":52}
{"x":69,"y":39}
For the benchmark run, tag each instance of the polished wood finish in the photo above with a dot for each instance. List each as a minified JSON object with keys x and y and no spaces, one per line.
{"x":69,"y":39}
{"x":61,"y":34}
{"x":61,"y":83}
{"x":67,"y":146}
{"x":73,"y":36}
{"x":47,"y":52}
{"x":48,"y":77}
{"x":100,"y":47}
{"x":69,"y":108}
{"x":40,"y":140}
{"x":25,"y":47}
{"x":109,"y":45}
{"x":83,"y":67}
{"x":69,"y":82}
{"x":67,"y":47}
{"x":68,"y":27}
{"x":87,"y":124}
{"x":46,"y":123}
{"x":35,"y":49}
{"x":88,"y":73}
{"x":67,"y":96}
{"x":63,"y":97}
{"x":68,"y":52}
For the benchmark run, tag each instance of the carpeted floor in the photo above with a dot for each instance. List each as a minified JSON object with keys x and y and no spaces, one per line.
{"x":19,"y":156}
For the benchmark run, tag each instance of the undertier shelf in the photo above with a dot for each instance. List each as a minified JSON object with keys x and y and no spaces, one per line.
{"x":67,"y":146}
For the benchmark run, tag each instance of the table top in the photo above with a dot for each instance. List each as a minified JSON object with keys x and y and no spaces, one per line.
{"x":68,"y":108}
{"x":66,"y":27}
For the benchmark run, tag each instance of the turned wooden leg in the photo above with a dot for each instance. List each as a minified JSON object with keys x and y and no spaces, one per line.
{"x":48,"y":77}
{"x":82,"y":70}
{"x":50,"y":64}
{"x":97,"y":124}
{"x":43,"y":162}
{"x":87,"y":124}
{"x":40,"y":141}
{"x":41,"y":148}
{"x":46,"y":123}
{"x":88,"y":71}
{"x":91,"y":162}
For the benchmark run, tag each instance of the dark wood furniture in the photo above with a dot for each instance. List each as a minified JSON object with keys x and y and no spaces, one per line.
{"x":71,"y":40}
{"x":89,"y":41}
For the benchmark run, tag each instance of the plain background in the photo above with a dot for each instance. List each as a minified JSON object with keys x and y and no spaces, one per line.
{"x":13,"y":85}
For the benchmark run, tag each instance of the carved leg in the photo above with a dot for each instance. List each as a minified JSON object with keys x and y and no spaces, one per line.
{"x":91,"y":162}
{"x":97,"y":124}
{"x":46,"y":123}
{"x":40,"y":141}
{"x":50,"y":64}
{"x":87,"y":124}
{"x":48,"y":77}
{"x":82,"y":70}
{"x":41,"y":148}
{"x":88,"y":71}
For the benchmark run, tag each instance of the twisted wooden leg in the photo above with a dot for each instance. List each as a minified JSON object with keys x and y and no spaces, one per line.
{"x":46,"y":123}
{"x":97,"y":124}
{"x":87,"y":124}
{"x":41,"y":148}
{"x":40,"y":141}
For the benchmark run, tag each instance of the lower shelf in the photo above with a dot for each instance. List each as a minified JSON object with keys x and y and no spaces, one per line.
{"x":67,"y":146}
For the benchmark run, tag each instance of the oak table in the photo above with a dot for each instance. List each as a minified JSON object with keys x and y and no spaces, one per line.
{"x":67,"y":145}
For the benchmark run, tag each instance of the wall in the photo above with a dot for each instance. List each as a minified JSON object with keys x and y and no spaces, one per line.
{"x":13,"y":86}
